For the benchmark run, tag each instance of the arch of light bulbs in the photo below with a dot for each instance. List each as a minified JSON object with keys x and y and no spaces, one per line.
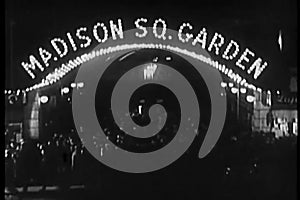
{"x":65,"y":68}
{"x":116,"y":30}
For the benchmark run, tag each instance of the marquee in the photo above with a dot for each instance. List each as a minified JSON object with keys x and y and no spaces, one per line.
{"x":114,"y":44}
{"x":80,"y":39}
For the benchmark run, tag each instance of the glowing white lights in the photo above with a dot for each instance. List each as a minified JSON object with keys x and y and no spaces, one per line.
{"x":188,"y":36}
{"x":230,"y":52}
{"x":278,"y":92}
{"x":140,"y":110}
{"x":149,"y":71}
{"x":114,"y":29}
{"x":62,"y":43}
{"x":80,"y":85}
{"x":243,"y":90}
{"x":44,"y":99}
{"x":269,"y":101}
{"x":184,"y":35}
{"x":73,"y":85}
{"x":244,"y":58}
{"x":162,"y":35}
{"x":95,"y":32}
{"x":30,"y":67}
{"x":45,"y":55}
{"x":65,"y":90}
{"x":60,"y":72}
{"x":216,"y":44}
{"x":87,"y":39}
{"x":223,"y":84}
{"x":228,"y":48}
{"x":138,"y":26}
{"x":258,"y":67}
{"x":168,"y":58}
{"x":280,"y":40}
{"x":70,"y":38}
{"x":201,"y":38}
{"x":234,"y":90}
{"x":250,"y":98}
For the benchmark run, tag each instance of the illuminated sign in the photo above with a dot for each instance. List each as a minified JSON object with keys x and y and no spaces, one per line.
{"x":82,"y":40}
{"x":173,"y":50}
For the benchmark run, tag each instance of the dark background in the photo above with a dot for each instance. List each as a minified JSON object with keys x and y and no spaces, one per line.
{"x":254,"y":24}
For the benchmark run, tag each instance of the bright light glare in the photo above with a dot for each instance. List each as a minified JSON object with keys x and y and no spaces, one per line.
{"x":149,"y":71}
{"x":223,"y":84}
{"x":234,"y":90}
{"x":168,"y":58}
{"x":280,"y":40}
{"x":44,"y":99}
{"x":243,"y":90}
{"x":250,"y":98}
{"x":65,"y":90}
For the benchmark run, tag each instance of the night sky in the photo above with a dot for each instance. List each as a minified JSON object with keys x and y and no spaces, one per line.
{"x":254,"y":24}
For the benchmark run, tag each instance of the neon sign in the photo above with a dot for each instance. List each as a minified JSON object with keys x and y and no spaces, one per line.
{"x":81,"y":40}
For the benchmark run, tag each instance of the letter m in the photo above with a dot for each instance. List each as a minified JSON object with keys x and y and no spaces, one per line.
{"x":29,"y":67}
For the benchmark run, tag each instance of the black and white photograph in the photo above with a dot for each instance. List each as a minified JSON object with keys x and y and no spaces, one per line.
{"x":151,"y":100}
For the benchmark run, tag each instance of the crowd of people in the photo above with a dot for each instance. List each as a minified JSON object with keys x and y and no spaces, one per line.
{"x":252,"y":163}
{"x":32,"y":162}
